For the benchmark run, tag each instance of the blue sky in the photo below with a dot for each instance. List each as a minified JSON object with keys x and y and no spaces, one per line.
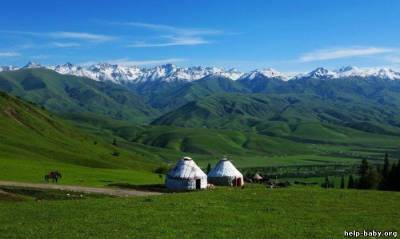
{"x":286,"y":35}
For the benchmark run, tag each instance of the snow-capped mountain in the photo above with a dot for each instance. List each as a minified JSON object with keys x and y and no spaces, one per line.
{"x":352,"y":72}
{"x":122,"y":74}
{"x":320,"y":73}
{"x":32,"y":65}
{"x":101,"y":72}
{"x":265,"y":73}
{"x":8,"y":68}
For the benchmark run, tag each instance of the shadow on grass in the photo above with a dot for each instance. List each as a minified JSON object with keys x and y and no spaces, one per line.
{"x":148,"y":187}
{"x":21,"y":193}
{"x":10,"y":197}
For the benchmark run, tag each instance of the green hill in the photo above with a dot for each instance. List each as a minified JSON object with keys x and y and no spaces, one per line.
{"x":33,"y":141}
{"x":171,"y":98}
{"x":285,"y":124}
{"x":67,"y":94}
{"x":285,"y":115}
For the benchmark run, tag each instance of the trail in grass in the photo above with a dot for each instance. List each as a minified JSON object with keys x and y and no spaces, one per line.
{"x":107,"y":191}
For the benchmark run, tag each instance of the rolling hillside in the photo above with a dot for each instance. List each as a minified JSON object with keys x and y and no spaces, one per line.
{"x":282,"y":114}
{"x":67,"y":94}
{"x":257,"y":120}
{"x":33,"y":141}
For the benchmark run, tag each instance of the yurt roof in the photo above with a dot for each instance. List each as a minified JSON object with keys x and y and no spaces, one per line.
{"x":186,"y":168}
{"x":257,"y":176}
{"x":224,"y":168}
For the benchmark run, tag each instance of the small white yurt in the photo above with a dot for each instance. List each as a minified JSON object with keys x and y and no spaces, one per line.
{"x":225,"y":173}
{"x":186,"y":175}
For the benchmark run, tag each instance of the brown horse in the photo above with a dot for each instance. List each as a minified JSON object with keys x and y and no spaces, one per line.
{"x":53,"y":175}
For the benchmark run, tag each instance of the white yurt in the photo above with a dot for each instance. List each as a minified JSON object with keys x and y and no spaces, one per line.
{"x":225,"y":173}
{"x":186,"y":175}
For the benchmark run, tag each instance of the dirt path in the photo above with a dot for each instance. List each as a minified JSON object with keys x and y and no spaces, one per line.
{"x":108,"y":191}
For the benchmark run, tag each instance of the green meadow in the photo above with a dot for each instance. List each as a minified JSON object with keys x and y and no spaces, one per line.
{"x":253,"y":212}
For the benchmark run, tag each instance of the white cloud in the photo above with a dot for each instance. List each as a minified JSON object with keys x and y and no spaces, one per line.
{"x":169,"y":28}
{"x":337,"y":53}
{"x":9,"y":54}
{"x":177,"y":36}
{"x":84,"y":36}
{"x":65,"y":44}
{"x":81,"y":36}
{"x":173,"y":41}
{"x":130,"y":62}
{"x":40,"y":57}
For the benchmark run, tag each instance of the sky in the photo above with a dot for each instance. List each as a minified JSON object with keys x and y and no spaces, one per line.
{"x":289,"y":36}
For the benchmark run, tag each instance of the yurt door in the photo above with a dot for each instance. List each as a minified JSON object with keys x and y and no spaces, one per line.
{"x":198,"y":183}
{"x":239,"y":182}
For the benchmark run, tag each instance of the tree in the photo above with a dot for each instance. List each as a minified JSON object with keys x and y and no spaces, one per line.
{"x":396,"y":182}
{"x":393,"y":179}
{"x":385,"y":170}
{"x":342,"y":182}
{"x":326,"y":184}
{"x":332,"y":184}
{"x":363,"y":171}
{"x":385,"y":182}
{"x":369,"y":177}
{"x":351,"y":182}
{"x":208,"y":168}
{"x":163,"y":169}
{"x":114,"y":142}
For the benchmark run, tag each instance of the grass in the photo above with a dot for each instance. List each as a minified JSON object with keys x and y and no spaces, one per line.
{"x":33,"y":171}
{"x":253,"y":212}
{"x":34,"y":142}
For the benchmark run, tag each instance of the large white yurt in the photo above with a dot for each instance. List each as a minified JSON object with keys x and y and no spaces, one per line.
{"x":186,"y":175}
{"x":225,"y":173}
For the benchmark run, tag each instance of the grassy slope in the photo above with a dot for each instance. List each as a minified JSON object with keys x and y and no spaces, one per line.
{"x":292,"y":134}
{"x":253,"y":212}
{"x":250,"y":150}
{"x":71,"y":94}
{"x":282,"y":114}
{"x":34,"y":142}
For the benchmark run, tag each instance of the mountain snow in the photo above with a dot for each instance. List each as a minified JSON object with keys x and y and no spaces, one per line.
{"x":352,"y":71}
{"x":8,"y":68}
{"x":32,"y":65}
{"x":122,"y":74}
{"x":266,"y":73}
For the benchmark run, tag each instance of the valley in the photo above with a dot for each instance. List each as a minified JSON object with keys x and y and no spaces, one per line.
{"x":226,"y":119}
{"x":260,"y":120}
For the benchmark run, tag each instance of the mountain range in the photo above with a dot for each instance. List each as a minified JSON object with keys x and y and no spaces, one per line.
{"x":261,"y":101}
{"x":127,"y":74}
{"x":162,"y":113}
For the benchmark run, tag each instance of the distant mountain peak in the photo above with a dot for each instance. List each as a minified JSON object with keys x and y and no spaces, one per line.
{"x":320,"y":72}
{"x":8,"y":68}
{"x":31,"y":65}
{"x":348,"y":68}
{"x":352,"y":71}
{"x":264,"y":73}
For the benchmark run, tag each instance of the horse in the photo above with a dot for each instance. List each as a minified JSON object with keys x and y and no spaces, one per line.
{"x":53,"y":175}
